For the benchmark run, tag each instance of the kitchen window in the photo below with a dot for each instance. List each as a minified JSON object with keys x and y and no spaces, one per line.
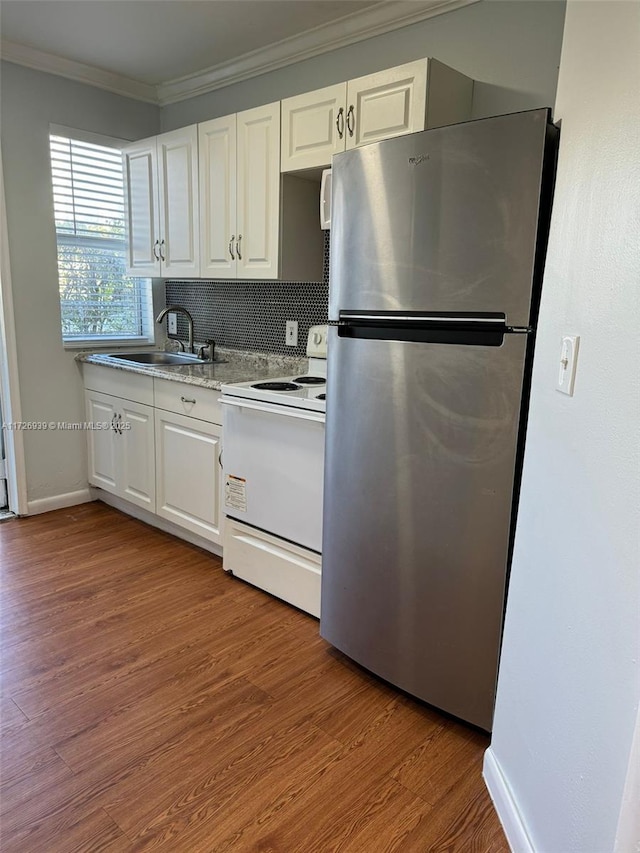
{"x":99,"y":302}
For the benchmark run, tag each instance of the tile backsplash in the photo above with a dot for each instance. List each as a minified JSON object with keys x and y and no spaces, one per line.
{"x":251,"y":314}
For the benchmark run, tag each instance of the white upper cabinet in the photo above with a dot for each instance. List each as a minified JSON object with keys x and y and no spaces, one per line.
{"x":258,"y":188}
{"x":178,"y":184}
{"x":399,"y":100}
{"x":162,"y":205}
{"x":389,"y":103}
{"x":254,"y":222}
{"x":140,"y":164}
{"x":240,"y":194}
{"x":313,"y":127}
{"x":217,"y":155}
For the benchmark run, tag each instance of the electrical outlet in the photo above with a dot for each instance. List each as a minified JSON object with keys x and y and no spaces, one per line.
{"x":291,"y":335}
{"x":172,"y":323}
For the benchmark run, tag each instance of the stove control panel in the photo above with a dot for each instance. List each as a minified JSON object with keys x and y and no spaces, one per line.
{"x":317,"y":342}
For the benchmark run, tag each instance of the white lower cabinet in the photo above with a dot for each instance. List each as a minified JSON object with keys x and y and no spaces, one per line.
{"x":188,"y":459}
{"x":121,"y":448}
{"x":158,"y":445}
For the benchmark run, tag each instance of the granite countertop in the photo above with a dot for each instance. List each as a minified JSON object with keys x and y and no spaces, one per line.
{"x":236,"y":366}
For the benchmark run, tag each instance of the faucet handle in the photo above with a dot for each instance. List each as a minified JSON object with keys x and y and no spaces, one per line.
{"x":208,"y":345}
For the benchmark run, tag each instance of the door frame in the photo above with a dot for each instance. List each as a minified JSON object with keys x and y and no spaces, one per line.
{"x":9,"y":382}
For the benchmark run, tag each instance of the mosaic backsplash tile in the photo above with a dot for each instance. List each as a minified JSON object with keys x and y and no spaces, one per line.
{"x":251,"y":314}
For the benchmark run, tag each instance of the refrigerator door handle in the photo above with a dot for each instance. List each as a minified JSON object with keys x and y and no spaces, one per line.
{"x":377,"y":319}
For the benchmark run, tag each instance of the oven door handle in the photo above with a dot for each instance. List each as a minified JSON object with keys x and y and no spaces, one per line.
{"x":284,"y":411}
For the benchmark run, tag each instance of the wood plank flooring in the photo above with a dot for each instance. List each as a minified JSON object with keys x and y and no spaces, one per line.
{"x":152,"y":702}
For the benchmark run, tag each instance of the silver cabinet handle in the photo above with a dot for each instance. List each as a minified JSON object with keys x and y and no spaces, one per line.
{"x":340,"y":123}
{"x":233,"y":237}
{"x":156,"y":256}
{"x":351,"y":120}
{"x":220,"y":459}
{"x":162,"y":257}
{"x":188,"y":400}
{"x":238,"y":247}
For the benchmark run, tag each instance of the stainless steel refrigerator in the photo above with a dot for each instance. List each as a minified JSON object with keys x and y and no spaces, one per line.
{"x":437,"y":250}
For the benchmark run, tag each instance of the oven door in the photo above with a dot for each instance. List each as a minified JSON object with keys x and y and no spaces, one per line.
{"x":273,"y":469}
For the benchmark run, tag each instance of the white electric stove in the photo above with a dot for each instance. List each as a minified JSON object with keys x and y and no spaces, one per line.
{"x":273,"y":478}
{"x":305,"y":390}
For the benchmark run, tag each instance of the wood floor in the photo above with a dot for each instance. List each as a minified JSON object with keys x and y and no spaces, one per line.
{"x":152,"y":702}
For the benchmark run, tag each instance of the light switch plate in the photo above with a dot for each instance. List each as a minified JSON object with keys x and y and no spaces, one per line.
{"x":568,"y":363}
{"x":172,"y":323}
{"x":291,"y":333}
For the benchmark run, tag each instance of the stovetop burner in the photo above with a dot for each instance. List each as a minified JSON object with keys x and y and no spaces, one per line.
{"x":276,"y":386}
{"x":310,"y":380}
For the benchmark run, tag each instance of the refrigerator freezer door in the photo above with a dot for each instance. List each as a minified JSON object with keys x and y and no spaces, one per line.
{"x":442,"y":221}
{"x":419,"y":476}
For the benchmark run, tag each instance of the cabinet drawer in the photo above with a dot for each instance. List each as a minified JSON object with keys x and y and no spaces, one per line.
{"x":275,"y":565}
{"x":118,"y":383}
{"x":185,"y":399}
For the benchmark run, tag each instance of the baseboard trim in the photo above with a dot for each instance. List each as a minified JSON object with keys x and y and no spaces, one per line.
{"x":155,"y":521}
{"x":505,"y":805}
{"x":82,"y":496}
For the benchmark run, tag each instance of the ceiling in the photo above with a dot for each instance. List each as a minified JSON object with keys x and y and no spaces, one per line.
{"x":143,"y":47}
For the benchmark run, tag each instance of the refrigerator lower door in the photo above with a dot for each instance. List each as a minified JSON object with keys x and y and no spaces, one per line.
{"x":421,"y":444}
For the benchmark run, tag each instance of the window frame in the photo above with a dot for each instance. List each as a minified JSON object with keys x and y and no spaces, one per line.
{"x":147,"y":338}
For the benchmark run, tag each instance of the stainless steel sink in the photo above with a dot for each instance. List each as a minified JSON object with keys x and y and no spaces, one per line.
{"x":166,"y":359}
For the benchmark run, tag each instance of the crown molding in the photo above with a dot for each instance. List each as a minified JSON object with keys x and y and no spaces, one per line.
{"x":358,"y":26}
{"x":378,"y":19}
{"x":22,"y":54}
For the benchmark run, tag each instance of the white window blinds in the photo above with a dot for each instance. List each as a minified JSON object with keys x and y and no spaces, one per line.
{"x":97,"y":298}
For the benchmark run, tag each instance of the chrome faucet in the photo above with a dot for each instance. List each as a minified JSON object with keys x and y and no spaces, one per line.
{"x":179,"y":308}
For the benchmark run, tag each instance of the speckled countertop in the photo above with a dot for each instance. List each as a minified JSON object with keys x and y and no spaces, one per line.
{"x":235,"y":366}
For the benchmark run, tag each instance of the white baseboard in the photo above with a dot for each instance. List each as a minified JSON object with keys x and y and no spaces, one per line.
{"x":506,"y":805}
{"x":82,"y":496}
{"x":155,"y":521}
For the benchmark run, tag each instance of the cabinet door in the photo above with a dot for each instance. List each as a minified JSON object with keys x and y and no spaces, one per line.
{"x":217,"y":157}
{"x":388,"y":103}
{"x":141,"y":200}
{"x":188,"y":473}
{"x":178,"y":183}
{"x":136,"y":456}
{"x":101,"y":409}
{"x":313,"y":128}
{"x":258,"y":178}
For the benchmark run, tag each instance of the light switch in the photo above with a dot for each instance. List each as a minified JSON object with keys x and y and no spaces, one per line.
{"x":291,"y":333}
{"x":568,"y":362}
{"x":172,"y":323}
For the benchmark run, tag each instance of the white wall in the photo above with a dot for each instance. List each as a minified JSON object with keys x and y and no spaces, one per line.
{"x":511,"y":47}
{"x":50,"y":382}
{"x":570,"y":672}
